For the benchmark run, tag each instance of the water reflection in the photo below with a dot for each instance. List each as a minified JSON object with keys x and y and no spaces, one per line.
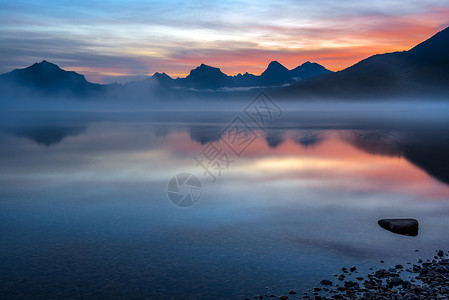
{"x":310,"y":138}
{"x":47,"y":135}
{"x":90,"y":213}
{"x":274,"y":137}
{"x":204,"y":134}
{"x":426,"y":149}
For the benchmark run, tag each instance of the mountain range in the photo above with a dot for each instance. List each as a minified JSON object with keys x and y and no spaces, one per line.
{"x":48,"y":79}
{"x":420,"y":71}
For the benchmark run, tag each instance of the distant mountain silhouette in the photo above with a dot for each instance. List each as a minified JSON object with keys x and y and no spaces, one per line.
{"x":275,"y":74}
{"x":205,"y":77}
{"x":163,"y":80}
{"x":48,"y":79}
{"x":156,"y":85}
{"x":245,"y":80}
{"x":423,"y":70}
{"x":307,"y":70}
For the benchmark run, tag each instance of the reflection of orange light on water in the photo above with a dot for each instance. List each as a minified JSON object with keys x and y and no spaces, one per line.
{"x":289,"y":163}
{"x":332,"y":164}
{"x":342,"y":166}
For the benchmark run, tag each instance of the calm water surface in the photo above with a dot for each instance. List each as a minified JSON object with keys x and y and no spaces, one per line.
{"x":84,"y":211}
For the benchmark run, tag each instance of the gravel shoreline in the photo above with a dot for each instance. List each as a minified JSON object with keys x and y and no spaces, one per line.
{"x":427,"y":279}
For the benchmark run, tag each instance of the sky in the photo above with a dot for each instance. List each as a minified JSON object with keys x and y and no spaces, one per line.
{"x":122,"y":40}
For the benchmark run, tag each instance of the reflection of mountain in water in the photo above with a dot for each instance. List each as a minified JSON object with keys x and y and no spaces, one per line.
{"x":274,"y":138}
{"x":388,"y":143}
{"x":431,"y":154}
{"x":48,"y":135}
{"x":205,"y":134}
{"x":427,"y":150}
{"x":161,"y":131}
{"x":309,"y":138}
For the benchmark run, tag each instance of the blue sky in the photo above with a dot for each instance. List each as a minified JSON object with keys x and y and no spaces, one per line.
{"x":123,"y":40}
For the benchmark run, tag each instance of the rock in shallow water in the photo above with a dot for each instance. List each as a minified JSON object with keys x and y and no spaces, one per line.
{"x":326,"y":282}
{"x":400,"y":226}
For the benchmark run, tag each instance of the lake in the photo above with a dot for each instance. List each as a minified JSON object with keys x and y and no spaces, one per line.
{"x":179,"y":205}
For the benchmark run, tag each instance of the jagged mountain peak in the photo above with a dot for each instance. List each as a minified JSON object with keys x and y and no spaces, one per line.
{"x":206,"y":76}
{"x":43,"y":66}
{"x":309,"y":69}
{"x":205,"y":71}
{"x":162,"y":75}
{"x":203,"y":66}
{"x":47,"y":78}
{"x":275,"y":67}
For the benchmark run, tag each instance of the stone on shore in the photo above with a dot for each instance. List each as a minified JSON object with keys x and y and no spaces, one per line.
{"x":326,"y":282}
{"x":400,"y":226}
